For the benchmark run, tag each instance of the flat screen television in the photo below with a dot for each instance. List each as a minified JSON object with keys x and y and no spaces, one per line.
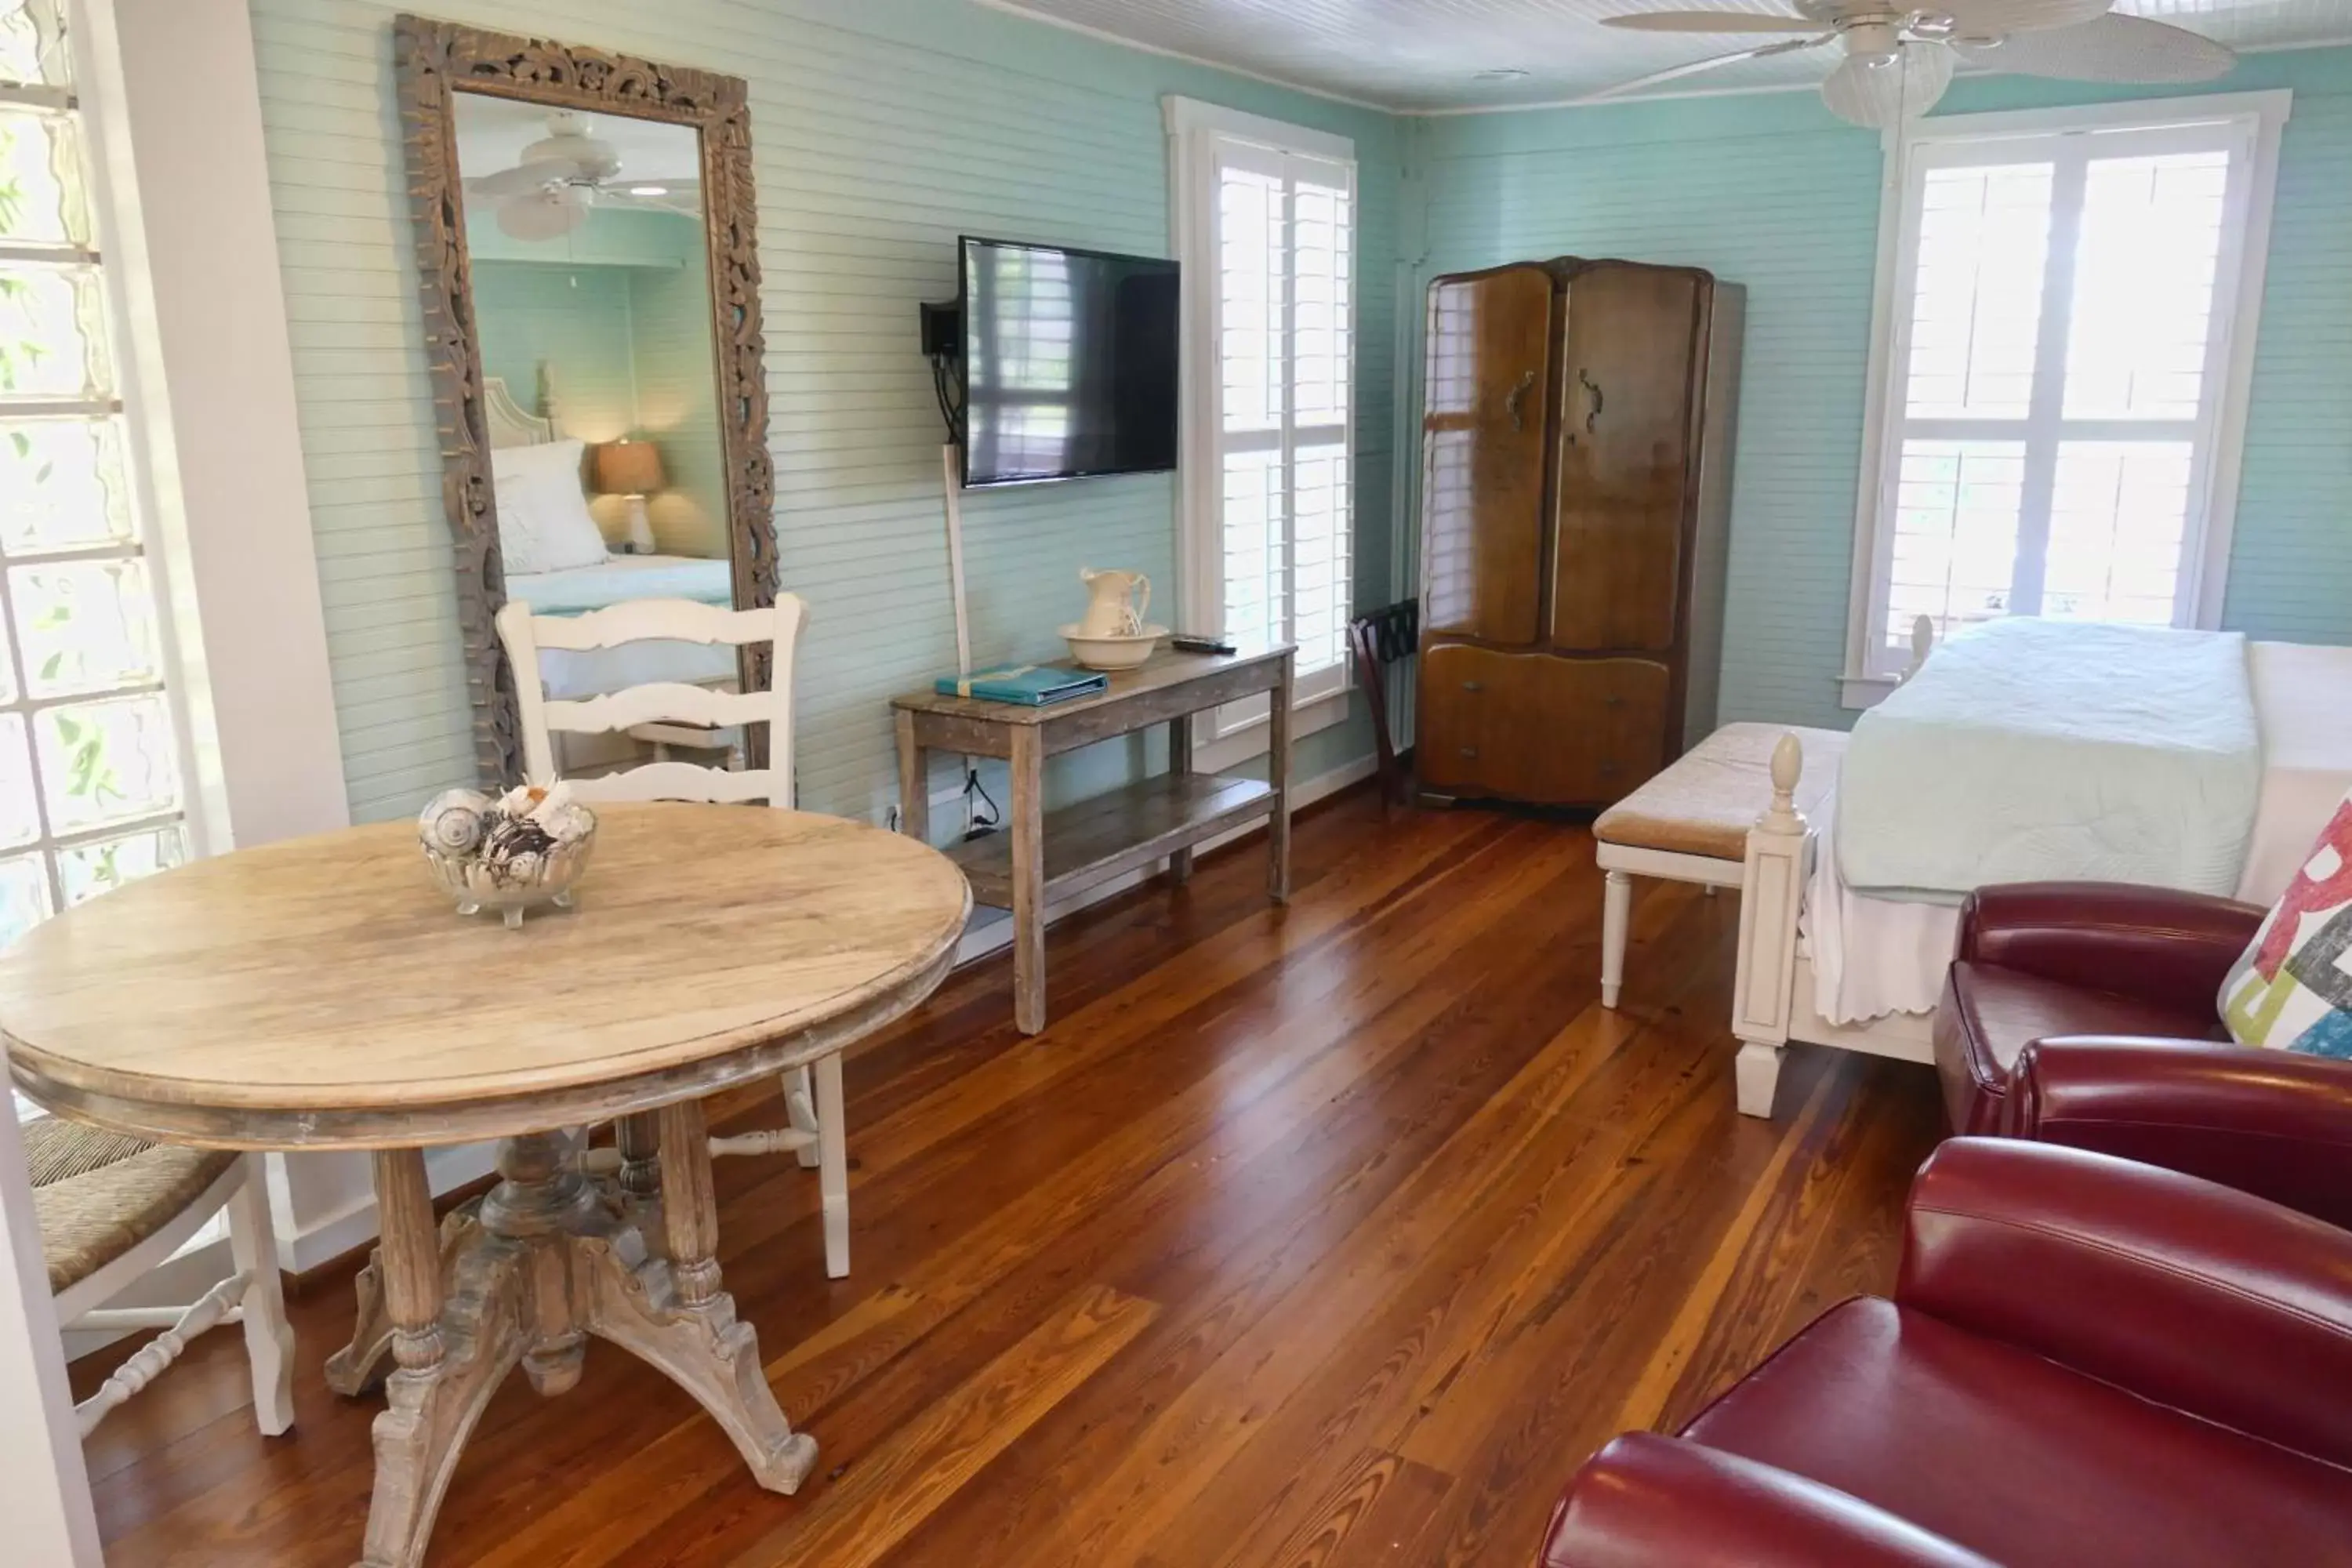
{"x":1069,"y":362}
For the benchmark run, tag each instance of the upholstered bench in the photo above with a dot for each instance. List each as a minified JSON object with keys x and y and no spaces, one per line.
{"x":1690,"y":823}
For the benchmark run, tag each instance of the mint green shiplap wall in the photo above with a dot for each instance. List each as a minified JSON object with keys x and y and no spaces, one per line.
{"x":881,"y":130}
{"x":565,"y":327}
{"x":1771,"y":191}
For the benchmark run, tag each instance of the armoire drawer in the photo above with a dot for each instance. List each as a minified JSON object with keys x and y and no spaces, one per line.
{"x":1537,"y":727}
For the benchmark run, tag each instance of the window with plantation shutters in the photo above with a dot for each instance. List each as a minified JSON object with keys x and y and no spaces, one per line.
{"x":1265,"y":215}
{"x":2062,"y":369}
{"x":90,"y":759}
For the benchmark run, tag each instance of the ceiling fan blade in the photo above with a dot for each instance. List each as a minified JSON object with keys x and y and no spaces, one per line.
{"x":1676,"y":73}
{"x":2111,"y":49}
{"x":1889,"y":92}
{"x":1988,"y":18}
{"x":1709,"y":22}
{"x":517,"y":181}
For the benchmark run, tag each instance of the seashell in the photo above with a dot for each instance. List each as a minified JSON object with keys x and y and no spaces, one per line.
{"x":452,"y":823}
{"x":517,"y":801}
{"x":568,"y":824}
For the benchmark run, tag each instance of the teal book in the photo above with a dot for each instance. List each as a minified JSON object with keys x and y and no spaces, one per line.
{"x":1031,"y":685}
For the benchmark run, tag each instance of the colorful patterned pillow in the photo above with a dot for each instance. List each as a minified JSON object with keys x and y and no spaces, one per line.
{"x":2293,"y":988}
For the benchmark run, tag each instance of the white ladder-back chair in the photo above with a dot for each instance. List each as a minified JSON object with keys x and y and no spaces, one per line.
{"x":813,"y":1095}
{"x":113,"y":1209}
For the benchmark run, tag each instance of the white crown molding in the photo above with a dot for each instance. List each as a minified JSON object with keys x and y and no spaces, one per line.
{"x":1184,"y":116}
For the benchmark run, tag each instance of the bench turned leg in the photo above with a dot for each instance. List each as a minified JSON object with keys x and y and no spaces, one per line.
{"x":1616,"y":923}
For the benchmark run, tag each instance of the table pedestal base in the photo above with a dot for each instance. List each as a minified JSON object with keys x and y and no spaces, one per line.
{"x":543,"y":1262}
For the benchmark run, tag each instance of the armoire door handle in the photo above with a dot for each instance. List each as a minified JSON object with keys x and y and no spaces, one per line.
{"x":1512,"y":399}
{"x":1592,"y":414}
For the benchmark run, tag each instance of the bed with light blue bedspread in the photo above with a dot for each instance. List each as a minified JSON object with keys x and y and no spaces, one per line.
{"x":2027,"y":749}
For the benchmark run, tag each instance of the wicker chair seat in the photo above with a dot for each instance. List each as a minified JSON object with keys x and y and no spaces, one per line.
{"x":99,"y":1195}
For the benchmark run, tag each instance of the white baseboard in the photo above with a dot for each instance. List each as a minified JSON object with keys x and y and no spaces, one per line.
{"x":992,"y":930}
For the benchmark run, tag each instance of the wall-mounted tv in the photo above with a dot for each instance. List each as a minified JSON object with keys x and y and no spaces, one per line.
{"x":1069,"y":362}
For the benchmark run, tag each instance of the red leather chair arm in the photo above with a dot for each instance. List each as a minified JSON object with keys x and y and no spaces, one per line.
{"x":2273,"y":1123}
{"x":2168,"y":946}
{"x":1647,"y":1501}
{"x":2185,"y":1292}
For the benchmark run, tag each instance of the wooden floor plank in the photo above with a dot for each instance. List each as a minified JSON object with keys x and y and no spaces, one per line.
{"x":1319,"y":1236}
{"x":949,"y":1443}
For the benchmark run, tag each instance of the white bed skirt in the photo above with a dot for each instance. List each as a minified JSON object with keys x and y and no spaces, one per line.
{"x":1871,"y":957}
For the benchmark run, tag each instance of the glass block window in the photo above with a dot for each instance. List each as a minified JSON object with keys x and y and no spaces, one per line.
{"x":90,"y":789}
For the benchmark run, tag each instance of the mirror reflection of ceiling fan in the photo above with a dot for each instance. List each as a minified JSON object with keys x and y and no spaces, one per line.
{"x":559,"y":179}
{"x":1896,"y":63}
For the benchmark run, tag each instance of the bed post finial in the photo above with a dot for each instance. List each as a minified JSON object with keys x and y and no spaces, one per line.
{"x":1787,"y":767}
{"x":1922,"y":643}
{"x":1771,"y":894}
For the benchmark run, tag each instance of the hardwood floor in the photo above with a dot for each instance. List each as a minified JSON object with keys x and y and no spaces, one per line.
{"x":1332,"y":1235}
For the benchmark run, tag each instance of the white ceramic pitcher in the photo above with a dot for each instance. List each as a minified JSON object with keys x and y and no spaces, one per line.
{"x":1118,"y":603}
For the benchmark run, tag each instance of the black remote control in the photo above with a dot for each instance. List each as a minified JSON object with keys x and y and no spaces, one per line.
{"x":1200,"y":644}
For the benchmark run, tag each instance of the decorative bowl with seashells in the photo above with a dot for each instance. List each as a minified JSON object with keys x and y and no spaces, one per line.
{"x":526,"y":848}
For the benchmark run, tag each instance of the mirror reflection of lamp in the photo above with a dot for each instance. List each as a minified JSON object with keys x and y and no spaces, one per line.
{"x":631,"y":468}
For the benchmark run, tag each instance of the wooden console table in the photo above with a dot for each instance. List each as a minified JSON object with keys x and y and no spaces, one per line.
{"x":1044,"y":853}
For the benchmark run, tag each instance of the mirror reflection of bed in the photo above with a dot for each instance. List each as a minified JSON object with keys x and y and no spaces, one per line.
{"x":592,"y":300}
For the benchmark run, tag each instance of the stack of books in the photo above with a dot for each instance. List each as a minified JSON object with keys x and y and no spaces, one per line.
{"x":1030,"y":685}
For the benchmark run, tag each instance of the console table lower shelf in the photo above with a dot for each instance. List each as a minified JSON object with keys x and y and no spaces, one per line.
{"x":1124,"y":830}
{"x":1042,"y":855}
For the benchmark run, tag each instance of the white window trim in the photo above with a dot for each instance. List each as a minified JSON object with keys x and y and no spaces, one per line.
{"x":2265,"y":114}
{"x":1233,"y":734}
{"x":173,"y":99}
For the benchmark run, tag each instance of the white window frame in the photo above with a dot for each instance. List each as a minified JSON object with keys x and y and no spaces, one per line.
{"x":1195,"y":130}
{"x":2238,"y":289}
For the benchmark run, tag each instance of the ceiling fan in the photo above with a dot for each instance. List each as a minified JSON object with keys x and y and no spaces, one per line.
{"x":554,"y":183}
{"x":1897,"y":62}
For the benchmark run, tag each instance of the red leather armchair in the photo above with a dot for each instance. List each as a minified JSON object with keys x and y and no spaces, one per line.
{"x":2084,"y":1361}
{"x":2273,"y":1123}
{"x":2036,"y":960}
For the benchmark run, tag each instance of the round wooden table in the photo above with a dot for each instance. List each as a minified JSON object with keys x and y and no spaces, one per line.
{"x":323,"y":993}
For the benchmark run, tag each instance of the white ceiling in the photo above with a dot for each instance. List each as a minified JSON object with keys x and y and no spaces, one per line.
{"x":1425,"y":55}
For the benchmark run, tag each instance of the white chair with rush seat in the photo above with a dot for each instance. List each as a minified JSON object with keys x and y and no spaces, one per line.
{"x":813,"y":1095}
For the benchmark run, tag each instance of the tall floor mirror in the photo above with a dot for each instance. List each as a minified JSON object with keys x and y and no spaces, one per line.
{"x":585,"y":233}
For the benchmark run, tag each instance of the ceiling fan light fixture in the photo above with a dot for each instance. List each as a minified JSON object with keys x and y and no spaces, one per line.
{"x":1872,"y":43}
{"x":542,"y":216}
{"x":1877,"y":96}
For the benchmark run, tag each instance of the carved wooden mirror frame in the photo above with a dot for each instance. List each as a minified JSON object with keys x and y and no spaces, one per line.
{"x":432,"y":61}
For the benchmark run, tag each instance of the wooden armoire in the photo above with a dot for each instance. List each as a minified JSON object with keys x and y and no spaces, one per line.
{"x":1576,"y":486}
